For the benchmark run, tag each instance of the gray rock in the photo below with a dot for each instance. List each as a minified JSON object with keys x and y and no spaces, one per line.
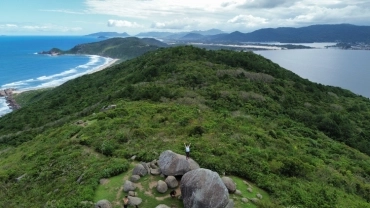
{"x":171,"y":182}
{"x":203,"y":188}
{"x":162,"y":187}
{"x":162,"y":206}
{"x":238,"y":192}
{"x":133,"y":157}
{"x":139,"y":170}
{"x":230,"y":204}
{"x":155,"y":171}
{"x":153,"y":165}
{"x":254,"y":200}
{"x":245,"y":200}
{"x":103,"y":204}
{"x":128,"y":186}
{"x":175,"y":164}
{"x":132,"y":193}
{"x":229,"y":183}
{"x":134,"y":178}
{"x":249,"y":189}
{"x":259,"y":196}
{"x":133,"y":201}
{"x":146,"y":166}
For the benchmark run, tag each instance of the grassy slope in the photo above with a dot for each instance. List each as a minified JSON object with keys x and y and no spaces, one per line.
{"x":281,"y":133}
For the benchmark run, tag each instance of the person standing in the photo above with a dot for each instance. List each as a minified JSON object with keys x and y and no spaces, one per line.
{"x":187,"y":150}
{"x":125,"y":202}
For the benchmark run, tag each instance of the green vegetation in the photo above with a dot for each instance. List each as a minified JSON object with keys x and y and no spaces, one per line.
{"x":121,"y":48}
{"x":305,"y":144}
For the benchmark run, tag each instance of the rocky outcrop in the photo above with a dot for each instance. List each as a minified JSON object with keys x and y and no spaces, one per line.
{"x":139,"y":170}
{"x":162,"y":206}
{"x":128,"y":186}
{"x":175,"y":164}
{"x":103,"y":204}
{"x":134,"y":201}
{"x":8,"y":94}
{"x":229,"y":183}
{"x":203,"y":188}
{"x":135,"y":178}
{"x":162,"y":186}
{"x":171,"y":182}
{"x":155,"y":171}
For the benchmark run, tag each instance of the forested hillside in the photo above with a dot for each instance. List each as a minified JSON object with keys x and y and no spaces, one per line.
{"x":306,"y":144}
{"x":120,"y":48}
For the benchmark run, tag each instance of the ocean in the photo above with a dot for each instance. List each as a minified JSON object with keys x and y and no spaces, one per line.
{"x":23,"y":69}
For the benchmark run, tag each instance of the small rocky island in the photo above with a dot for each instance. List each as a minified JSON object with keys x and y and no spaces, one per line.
{"x":8,"y":94}
{"x":52,"y":52}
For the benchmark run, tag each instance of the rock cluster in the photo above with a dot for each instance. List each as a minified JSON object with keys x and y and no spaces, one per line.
{"x":8,"y":94}
{"x":200,"y":188}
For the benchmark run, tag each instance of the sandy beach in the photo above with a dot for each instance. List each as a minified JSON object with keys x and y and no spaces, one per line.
{"x":8,"y":93}
{"x":102,"y":67}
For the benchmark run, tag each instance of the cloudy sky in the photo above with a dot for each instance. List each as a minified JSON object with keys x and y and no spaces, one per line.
{"x":80,"y":17}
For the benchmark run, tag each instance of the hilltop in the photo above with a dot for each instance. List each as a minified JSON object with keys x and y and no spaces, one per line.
{"x":118,"y":48}
{"x":303,"y":143}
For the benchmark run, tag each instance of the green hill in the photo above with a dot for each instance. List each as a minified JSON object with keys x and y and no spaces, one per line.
{"x":304,"y":143}
{"x":120,"y":48}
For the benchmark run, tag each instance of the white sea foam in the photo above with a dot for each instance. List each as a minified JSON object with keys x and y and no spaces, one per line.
{"x":42,"y":78}
{"x":4,"y":109}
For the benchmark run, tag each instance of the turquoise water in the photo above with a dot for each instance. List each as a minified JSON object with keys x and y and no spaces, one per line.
{"x":23,"y":69}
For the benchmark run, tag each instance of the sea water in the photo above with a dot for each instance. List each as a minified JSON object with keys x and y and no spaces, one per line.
{"x":22,"y":68}
{"x":348,"y":69}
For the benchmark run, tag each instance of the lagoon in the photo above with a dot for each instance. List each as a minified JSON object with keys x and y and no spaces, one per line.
{"x":348,"y":69}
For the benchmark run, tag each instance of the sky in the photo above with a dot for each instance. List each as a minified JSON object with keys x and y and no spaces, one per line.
{"x":82,"y":17}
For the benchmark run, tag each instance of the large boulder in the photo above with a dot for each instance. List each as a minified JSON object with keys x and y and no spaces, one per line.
{"x":133,"y":201}
{"x":135,"y":178}
{"x":175,"y":164}
{"x":103,"y":204}
{"x":203,"y":188}
{"x":229,"y":183}
{"x":162,"y":206}
{"x":162,"y":187}
{"x":128,"y":186}
{"x":155,"y":171}
{"x":139,"y":170}
{"x":171,"y":182}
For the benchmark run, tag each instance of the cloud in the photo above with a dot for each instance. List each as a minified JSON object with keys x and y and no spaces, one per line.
{"x":176,"y":24}
{"x":37,"y":28}
{"x":230,"y":15}
{"x":267,"y":3}
{"x":123,"y":23}
{"x":248,"y":20}
{"x":62,"y":11}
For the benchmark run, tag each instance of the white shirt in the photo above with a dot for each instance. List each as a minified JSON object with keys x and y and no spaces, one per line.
{"x":187,"y":149}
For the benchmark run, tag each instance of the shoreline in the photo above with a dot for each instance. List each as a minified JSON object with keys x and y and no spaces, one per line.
{"x":9,"y":93}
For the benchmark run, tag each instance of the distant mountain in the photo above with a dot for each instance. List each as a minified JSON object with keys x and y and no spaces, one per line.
{"x":154,"y":34}
{"x":180,"y":35}
{"x":192,"y":36}
{"x":314,"y":33}
{"x":121,"y":48}
{"x":208,"y":32}
{"x":109,"y":34}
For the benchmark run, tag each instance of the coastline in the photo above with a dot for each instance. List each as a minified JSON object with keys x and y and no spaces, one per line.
{"x":9,"y":93}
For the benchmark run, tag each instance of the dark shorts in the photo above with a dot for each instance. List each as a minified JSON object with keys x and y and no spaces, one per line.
{"x":187,"y":154}
{"x":125,"y":206}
